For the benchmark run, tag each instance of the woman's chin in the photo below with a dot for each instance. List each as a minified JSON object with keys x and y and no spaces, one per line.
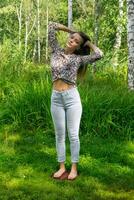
{"x":68,"y":46}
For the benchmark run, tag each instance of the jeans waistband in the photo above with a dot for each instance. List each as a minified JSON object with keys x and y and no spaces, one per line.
{"x":65,"y":91}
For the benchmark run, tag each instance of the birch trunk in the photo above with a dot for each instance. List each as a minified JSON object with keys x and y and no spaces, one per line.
{"x":47,"y":34}
{"x":27,"y":33}
{"x":34,"y":51}
{"x":26,"y":38}
{"x":130,"y":38}
{"x":19,"y":14}
{"x":96,"y":23}
{"x":69,"y":13}
{"x":38,"y":25}
{"x":96,"y":27}
{"x":117,"y":44}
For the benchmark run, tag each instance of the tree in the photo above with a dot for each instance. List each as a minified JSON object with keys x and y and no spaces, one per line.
{"x":96,"y":26}
{"x":47,"y":31}
{"x":29,"y":21}
{"x":69,"y":13}
{"x":38,"y":25}
{"x":130,"y":30}
{"x":19,"y":14}
{"x":117,"y":44}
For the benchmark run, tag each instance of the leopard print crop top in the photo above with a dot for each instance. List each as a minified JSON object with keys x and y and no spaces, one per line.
{"x":65,"y":66}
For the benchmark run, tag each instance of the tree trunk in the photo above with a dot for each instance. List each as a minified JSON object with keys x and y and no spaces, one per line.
{"x":19,"y":14}
{"x":130,"y":30}
{"x":118,"y":35}
{"x":38,"y":25}
{"x":27,"y":33}
{"x":47,"y":35}
{"x":35,"y":56}
{"x":96,"y":27}
{"x":69,"y":13}
{"x":96,"y":22}
{"x":26,"y":38}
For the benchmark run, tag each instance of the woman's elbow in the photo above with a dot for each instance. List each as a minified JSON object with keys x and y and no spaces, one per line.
{"x":100,"y":54}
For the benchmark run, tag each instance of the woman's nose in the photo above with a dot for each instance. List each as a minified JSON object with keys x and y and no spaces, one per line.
{"x":71,"y":41}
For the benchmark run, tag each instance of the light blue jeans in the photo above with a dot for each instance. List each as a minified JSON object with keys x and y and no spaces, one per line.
{"x":66,"y":109}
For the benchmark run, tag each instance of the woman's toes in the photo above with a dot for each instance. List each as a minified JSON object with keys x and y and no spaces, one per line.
{"x":58,"y":173}
{"x":72,"y":175}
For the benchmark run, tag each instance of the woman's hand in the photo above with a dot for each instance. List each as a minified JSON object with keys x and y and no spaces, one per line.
{"x":87,"y":43}
{"x":65,"y":28}
{"x":93,"y":47}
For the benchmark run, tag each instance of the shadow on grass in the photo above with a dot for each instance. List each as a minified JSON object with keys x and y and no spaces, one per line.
{"x":29,"y":158}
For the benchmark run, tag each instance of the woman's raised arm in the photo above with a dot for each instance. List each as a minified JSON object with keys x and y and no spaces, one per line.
{"x":97,"y":55}
{"x":52,"y":39}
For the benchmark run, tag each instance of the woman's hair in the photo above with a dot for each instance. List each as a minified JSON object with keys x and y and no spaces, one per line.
{"x":83,"y":50}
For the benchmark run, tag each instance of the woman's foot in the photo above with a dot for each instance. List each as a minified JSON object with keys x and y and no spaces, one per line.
{"x":73,"y":174}
{"x":59,"y":173}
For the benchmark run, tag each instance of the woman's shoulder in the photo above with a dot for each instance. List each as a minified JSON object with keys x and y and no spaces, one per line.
{"x":58,"y":51}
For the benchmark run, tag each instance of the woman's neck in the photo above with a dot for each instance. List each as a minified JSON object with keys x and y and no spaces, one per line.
{"x":68,"y":51}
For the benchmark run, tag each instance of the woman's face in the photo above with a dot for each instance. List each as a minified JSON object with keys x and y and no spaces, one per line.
{"x":74,"y":41}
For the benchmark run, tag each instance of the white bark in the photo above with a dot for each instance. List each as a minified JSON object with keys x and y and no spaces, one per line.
{"x":34,"y":50}
{"x":130,"y":38}
{"x":27,"y":33}
{"x":96,"y":23}
{"x":26,"y":38}
{"x":118,"y":35}
{"x":47,"y":34}
{"x":19,"y":14}
{"x":119,"y":27}
{"x":96,"y":27}
{"x":69,"y":13}
{"x":38,"y":25}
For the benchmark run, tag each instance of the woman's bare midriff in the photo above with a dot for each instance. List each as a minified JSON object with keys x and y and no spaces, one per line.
{"x":60,"y":85}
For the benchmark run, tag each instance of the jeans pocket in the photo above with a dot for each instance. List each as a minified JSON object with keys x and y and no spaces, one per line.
{"x":53,"y":96}
{"x":74,"y":95}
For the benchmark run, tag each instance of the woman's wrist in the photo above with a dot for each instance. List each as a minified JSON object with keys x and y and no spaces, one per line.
{"x":65,"y":28}
{"x":92,"y":46}
{"x":61,"y":27}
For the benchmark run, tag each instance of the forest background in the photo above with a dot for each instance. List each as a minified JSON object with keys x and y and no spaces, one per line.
{"x":27,"y":150}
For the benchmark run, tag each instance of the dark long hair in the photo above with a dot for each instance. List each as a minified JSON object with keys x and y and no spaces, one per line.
{"x":83,"y":50}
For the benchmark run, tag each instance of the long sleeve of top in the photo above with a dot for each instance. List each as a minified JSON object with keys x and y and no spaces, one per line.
{"x":52,"y":38}
{"x":65,"y":66}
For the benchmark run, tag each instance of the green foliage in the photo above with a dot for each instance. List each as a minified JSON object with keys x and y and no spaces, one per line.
{"x":26,"y":129}
{"x":11,"y":61}
{"x":26,"y":92}
{"x":8,"y":22}
{"x":108,"y":108}
{"x":83,"y":20}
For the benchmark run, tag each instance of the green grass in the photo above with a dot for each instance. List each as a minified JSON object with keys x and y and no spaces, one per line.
{"x":27,"y":139}
{"x":107,"y":103}
{"x":28,"y":158}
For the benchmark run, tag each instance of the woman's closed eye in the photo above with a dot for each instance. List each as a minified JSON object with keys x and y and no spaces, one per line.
{"x":77,"y":41}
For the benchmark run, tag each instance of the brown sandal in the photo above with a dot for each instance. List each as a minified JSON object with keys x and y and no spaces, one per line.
{"x":63,"y":176}
{"x":73,"y":178}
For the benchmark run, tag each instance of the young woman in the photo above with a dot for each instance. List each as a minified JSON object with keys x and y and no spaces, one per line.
{"x":66,"y":108}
